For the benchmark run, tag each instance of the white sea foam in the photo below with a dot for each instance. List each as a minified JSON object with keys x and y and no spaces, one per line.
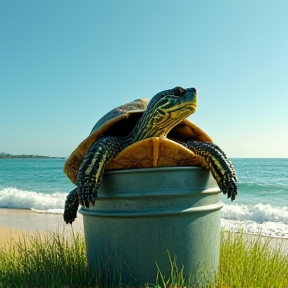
{"x":258,"y":213}
{"x":265,"y":219}
{"x":21,"y":199}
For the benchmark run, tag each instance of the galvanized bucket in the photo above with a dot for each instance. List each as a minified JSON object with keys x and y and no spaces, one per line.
{"x":146,"y":221}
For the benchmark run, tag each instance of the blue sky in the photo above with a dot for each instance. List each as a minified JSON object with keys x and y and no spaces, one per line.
{"x":63,"y":64}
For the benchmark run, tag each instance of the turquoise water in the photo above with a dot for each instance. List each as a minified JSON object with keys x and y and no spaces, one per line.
{"x":261,"y":204}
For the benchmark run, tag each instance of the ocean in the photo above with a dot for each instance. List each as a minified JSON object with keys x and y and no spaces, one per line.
{"x":260,"y":206}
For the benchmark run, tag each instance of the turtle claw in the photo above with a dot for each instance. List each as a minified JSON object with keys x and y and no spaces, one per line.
{"x":71,"y":206}
{"x":228,"y":185}
{"x":92,"y":201}
{"x":86,"y":204}
{"x":87,"y":195}
{"x":69,"y":216}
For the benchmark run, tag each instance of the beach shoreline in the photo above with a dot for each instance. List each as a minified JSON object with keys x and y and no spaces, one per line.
{"x":14,"y":222}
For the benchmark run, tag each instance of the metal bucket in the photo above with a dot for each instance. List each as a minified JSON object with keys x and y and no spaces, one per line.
{"x":144,"y":216}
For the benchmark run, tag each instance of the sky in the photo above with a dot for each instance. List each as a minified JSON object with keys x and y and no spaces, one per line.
{"x":65,"y":63}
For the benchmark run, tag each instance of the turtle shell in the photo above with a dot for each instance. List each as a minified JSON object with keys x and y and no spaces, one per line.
{"x":151,"y":152}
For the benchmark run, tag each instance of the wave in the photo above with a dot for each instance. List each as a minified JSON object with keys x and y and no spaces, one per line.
{"x":258,"y":213}
{"x":11,"y":197}
{"x":264,"y":219}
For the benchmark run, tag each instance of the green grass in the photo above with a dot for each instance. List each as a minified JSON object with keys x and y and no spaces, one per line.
{"x":251,"y":262}
{"x":54,"y":260}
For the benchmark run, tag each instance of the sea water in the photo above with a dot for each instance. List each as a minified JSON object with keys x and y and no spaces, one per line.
{"x":260,"y":206}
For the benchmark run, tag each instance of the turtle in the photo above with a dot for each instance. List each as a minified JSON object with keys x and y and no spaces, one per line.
{"x":142,"y":134}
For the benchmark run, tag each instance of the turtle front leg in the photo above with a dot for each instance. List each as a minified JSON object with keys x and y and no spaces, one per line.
{"x":91,"y":170}
{"x":71,"y":206}
{"x":221,"y":168}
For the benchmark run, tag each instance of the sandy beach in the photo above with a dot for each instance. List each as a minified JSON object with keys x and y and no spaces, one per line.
{"x":13,"y":222}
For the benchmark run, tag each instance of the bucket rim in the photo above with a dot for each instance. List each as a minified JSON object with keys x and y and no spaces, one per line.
{"x":154,"y":169}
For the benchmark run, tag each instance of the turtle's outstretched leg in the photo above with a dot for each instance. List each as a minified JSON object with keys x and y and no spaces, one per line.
{"x":92,"y":168}
{"x":71,"y":206}
{"x":221,"y":168}
{"x":90,"y":175}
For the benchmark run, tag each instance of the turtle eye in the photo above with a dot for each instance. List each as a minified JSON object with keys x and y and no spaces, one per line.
{"x":179,"y":91}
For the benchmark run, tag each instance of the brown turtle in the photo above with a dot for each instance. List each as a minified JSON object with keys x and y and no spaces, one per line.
{"x":141,"y":134}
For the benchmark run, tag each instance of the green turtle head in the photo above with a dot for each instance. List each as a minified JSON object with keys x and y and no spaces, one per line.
{"x":165,"y":110}
{"x":177,"y":103}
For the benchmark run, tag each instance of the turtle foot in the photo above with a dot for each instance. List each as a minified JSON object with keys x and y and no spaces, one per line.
{"x":71,"y":207}
{"x":69,"y":216}
{"x":228,"y":186}
{"x":87,"y":195}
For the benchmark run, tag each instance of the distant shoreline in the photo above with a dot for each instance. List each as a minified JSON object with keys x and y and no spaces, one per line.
{"x":24,"y":156}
